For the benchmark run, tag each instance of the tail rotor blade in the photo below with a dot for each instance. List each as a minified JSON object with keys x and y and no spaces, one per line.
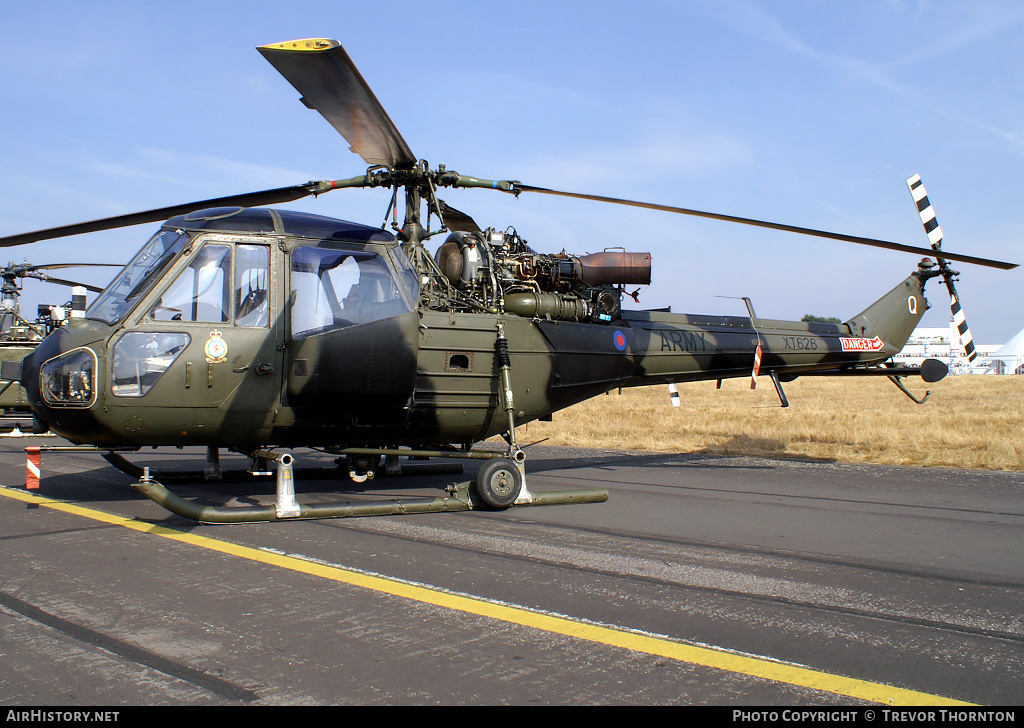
{"x":934,"y":232}
{"x":925,"y":211}
{"x":966,"y":340}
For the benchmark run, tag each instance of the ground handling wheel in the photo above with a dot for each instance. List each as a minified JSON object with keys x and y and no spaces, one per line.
{"x":498,"y":483}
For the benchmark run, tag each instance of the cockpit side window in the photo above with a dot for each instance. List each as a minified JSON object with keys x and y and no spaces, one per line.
{"x":252,"y":285}
{"x":201,"y":291}
{"x":333,"y":288}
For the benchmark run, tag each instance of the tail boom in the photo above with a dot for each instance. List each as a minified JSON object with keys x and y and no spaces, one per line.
{"x":681,"y":348}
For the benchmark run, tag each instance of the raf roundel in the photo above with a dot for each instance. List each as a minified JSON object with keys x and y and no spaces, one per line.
{"x":619,"y":339}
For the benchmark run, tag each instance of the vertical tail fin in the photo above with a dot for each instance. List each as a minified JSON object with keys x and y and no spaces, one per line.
{"x":894,"y":316}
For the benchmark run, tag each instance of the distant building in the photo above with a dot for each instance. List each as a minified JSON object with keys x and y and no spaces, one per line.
{"x":1009,"y":359}
{"x":944,"y":344}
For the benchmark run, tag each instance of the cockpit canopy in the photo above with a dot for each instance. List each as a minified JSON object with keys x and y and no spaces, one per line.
{"x":342,"y":273}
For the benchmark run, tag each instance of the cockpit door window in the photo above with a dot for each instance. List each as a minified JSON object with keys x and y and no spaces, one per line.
{"x":200,"y":292}
{"x":252,"y":285}
{"x":332,"y":289}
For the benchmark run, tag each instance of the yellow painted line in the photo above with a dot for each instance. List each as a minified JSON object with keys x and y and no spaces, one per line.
{"x":707,"y":657}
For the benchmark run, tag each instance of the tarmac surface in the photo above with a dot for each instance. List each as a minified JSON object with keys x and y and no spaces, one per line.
{"x":702,"y":580}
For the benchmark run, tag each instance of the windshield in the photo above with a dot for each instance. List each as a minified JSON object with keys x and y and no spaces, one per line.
{"x":405,"y":268}
{"x":138,"y":277}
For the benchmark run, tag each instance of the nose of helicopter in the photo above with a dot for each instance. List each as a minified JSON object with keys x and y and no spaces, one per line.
{"x":59,"y":377}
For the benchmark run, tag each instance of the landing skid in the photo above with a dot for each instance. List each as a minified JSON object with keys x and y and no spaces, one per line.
{"x":463,"y":496}
{"x":460,"y":497}
{"x":499,"y":484}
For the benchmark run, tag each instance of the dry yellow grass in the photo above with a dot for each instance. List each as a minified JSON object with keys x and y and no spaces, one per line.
{"x":969,"y":421}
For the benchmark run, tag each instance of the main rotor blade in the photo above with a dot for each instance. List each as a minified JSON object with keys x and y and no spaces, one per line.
{"x":774,"y":226}
{"x":251,"y":199}
{"x":321,"y":70}
{"x":50,"y":266}
{"x":64,"y":282}
{"x":456,"y":220}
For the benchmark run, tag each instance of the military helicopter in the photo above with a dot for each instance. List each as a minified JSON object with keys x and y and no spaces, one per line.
{"x":244,"y":327}
{"x":19,"y":336}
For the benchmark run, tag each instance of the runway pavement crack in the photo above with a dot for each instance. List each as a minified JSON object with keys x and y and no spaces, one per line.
{"x":130,"y":652}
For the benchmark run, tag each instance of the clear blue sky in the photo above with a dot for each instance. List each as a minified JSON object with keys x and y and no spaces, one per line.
{"x":802,"y":112}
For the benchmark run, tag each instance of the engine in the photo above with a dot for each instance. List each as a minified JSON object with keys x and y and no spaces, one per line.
{"x":499,"y":271}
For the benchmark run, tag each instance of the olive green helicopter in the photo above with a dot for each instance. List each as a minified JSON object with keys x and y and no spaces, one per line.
{"x":243,"y":327}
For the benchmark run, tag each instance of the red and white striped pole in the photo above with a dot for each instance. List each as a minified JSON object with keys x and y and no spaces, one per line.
{"x":33,"y":458}
{"x":757,"y":366}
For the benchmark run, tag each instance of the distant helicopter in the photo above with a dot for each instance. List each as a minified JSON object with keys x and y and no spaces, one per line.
{"x":259,"y":330}
{"x":19,"y":336}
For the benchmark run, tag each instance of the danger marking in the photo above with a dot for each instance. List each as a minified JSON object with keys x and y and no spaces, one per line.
{"x":874,"y":344}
